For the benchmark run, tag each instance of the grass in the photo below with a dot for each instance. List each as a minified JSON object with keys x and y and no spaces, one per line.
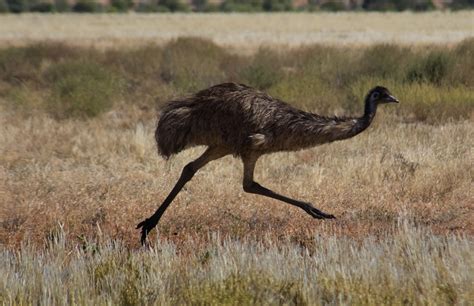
{"x":434,"y":84}
{"x":408,"y":266}
{"x":240,"y":31}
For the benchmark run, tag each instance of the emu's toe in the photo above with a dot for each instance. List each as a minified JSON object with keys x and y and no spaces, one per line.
{"x":146,"y":225}
{"x":316,"y":213}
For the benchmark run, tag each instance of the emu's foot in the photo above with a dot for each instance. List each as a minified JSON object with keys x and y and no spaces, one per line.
{"x":146,"y":225}
{"x":316,"y":213}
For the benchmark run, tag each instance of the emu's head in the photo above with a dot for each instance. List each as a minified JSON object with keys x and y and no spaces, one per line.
{"x":380,"y":95}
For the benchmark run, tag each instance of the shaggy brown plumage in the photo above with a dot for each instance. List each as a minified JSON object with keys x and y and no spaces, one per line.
{"x":237,"y":119}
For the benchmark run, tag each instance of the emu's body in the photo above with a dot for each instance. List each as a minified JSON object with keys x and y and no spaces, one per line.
{"x":236,"y":119}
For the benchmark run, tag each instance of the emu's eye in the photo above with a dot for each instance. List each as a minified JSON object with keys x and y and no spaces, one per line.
{"x":375,"y":95}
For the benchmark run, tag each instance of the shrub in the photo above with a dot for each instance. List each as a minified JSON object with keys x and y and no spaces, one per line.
{"x":463,"y":66}
{"x":333,"y":6}
{"x":385,"y":61}
{"x":148,"y":7}
{"x":173,"y":5}
{"x":190,"y":64}
{"x":62,"y":6}
{"x":422,"y":101}
{"x":241,"y":5}
{"x":277,"y":5}
{"x":121,"y":5}
{"x":379,"y":5}
{"x":461,"y":4}
{"x":86,"y":6}
{"x":264,"y":70}
{"x":399,"y":5}
{"x":309,"y":93}
{"x":200,"y":5}
{"x":81,"y":88}
{"x":17,"y":6}
{"x":432,"y":68}
{"x":42,"y":7}
{"x":4,"y":6}
{"x":19,"y":64}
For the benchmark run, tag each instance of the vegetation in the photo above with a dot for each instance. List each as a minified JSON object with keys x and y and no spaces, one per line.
{"x":435,"y":84}
{"x":410,"y":266}
{"x":91,"y":6}
{"x":78,"y":171}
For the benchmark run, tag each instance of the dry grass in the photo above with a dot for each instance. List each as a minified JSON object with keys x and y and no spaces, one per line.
{"x":243,"y":31}
{"x":409,"y":266}
{"x":105,"y":173}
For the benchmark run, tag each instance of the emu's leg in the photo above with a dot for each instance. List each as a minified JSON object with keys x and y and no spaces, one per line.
{"x":252,"y":187}
{"x":186,"y":175}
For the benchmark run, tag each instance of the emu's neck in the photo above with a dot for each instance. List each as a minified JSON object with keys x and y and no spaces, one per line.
{"x":364,"y":121}
{"x":335,"y":129}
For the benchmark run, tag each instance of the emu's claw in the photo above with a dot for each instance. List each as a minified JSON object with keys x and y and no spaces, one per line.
{"x":146,"y":225}
{"x":316,"y":213}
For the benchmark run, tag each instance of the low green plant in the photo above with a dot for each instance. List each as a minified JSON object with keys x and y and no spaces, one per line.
{"x":81,"y":88}
{"x":4,"y":6}
{"x":432,"y":68}
{"x":42,"y":7}
{"x":62,"y":6}
{"x":87,"y":6}
{"x":264,"y":69}
{"x":190,"y":64}
{"x":277,"y":5}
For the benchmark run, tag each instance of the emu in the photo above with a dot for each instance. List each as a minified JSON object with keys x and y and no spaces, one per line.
{"x":237,"y":119}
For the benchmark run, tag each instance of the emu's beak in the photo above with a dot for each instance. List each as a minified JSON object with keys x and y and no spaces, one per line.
{"x":392,"y":99}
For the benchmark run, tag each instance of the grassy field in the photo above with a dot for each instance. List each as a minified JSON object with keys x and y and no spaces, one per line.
{"x":79,"y":169}
{"x":246,"y":32}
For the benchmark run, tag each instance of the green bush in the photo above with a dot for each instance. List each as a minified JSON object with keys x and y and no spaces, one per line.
{"x":277,"y":5}
{"x":121,"y":5}
{"x":173,"y":5}
{"x":385,"y":61}
{"x":333,"y":6}
{"x":17,"y":6}
{"x":399,"y":5}
{"x":42,"y":7}
{"x":87,"y":6}
{"x":432,"y":68}
{"x":148,"y":7}
{"x":461,"y":4}
{"x":81,"y":88}
{"x":62,"y":6}
{"x":463,"y":65}
{"x":264,"y":70}
{"x":190,"y":64}
{"x":3,"y":6}
{"x":309,"y":93}
{"x":241,"y":5}
{"x":20,"y":64}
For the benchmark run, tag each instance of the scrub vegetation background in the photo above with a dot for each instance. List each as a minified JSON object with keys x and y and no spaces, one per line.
{"x":79,"y":169}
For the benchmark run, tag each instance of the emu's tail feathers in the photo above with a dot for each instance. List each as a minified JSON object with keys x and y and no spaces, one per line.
{"x":174,"y":126}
